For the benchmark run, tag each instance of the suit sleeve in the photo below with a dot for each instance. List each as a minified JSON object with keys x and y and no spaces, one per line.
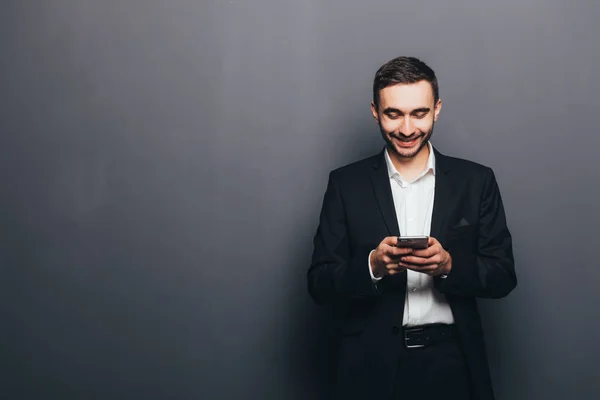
{"x":336,"y":272}
{"x":488,"y":271}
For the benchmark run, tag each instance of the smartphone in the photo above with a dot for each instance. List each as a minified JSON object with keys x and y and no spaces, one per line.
{"x":414,"y":242}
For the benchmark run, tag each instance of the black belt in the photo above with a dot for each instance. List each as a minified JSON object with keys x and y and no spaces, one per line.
{"x":426,"y":335}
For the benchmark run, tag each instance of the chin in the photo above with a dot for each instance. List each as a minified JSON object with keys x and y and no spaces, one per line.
{"x":408,"y":152}
{"x":404,"y":153}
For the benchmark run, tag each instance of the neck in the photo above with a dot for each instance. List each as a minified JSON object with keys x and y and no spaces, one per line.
{"x":412,"y":167}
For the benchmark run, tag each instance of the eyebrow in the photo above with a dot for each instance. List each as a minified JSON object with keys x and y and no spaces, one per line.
{"x":391,"y":110}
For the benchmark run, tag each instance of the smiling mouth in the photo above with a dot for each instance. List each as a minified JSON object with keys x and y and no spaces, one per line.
{"x":406,"y":143}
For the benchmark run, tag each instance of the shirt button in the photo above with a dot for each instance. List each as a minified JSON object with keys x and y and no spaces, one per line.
{"x":395,"y":330}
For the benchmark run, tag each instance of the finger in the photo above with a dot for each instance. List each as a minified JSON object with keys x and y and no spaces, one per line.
{"x":416,"y":260}
{"x":393,"y":265}
{"x":426,"y":268}
{"x":384,"y":248}
{"x":390,"y":266}
{"x":384,"y":257}
{"x":396,"y":269}
{"x":387,"y":260}
{"x":433,"y":241}
{"x":399,"y":251}
{"x":440,"y":251}
{"x":387,"y":252}
{"x":434,"y":247}
{"x":433,"y":269}
{"x":390,"y":240}
{"x":428,"y":252}
{"x":413,"y":259}
{"x":394,"y":252}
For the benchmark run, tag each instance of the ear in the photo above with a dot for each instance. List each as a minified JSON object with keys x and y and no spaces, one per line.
{"x":436,"y":109}
{"x":374,"y":112}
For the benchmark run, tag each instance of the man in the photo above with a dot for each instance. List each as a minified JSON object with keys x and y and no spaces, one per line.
{"x":408,"y":321}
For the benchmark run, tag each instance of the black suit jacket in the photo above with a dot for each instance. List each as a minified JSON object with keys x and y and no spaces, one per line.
{"x":358,"y":212}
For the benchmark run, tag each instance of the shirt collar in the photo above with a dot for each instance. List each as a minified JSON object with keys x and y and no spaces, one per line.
{"x":393,"y":172}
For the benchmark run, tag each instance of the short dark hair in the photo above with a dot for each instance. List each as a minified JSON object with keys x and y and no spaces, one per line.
{"x":403,"y":70}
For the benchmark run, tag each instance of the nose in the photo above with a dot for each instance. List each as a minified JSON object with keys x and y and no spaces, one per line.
{"x":408,"y":127}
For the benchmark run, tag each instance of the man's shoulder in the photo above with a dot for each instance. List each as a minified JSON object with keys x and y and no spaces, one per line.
{"x":358,"y":168}
{"x":364,"y":166}
{"x":462,"y":165}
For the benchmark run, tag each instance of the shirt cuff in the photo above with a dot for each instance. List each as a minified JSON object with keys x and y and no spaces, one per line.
{"x":373,"y":278}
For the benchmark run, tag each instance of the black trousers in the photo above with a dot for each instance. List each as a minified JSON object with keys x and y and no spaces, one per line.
{"x":436,"y":372}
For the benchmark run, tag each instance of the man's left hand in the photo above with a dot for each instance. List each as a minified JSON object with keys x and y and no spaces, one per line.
{"x":433,"y":260}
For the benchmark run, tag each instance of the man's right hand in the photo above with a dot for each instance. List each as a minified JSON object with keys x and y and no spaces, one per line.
{"x":384,"y":260}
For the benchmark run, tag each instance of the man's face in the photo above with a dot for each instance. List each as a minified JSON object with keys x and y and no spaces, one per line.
{"x":405,"y":116}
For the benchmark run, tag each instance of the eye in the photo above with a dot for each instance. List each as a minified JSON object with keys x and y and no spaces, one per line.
{"x":420,"y":115}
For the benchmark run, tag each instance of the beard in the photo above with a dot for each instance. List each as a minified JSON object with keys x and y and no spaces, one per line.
{"x":391,"y":140}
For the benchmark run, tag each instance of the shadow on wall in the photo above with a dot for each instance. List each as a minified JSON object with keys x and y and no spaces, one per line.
{"x":314,"y":358}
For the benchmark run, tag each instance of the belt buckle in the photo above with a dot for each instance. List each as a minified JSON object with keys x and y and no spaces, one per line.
{"x":407,"y":332}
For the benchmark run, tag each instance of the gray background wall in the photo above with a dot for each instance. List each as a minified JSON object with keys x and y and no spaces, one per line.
{"x":162,"y":166}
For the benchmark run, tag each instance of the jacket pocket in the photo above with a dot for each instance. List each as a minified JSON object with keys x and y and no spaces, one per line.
{"x":463,"y":239}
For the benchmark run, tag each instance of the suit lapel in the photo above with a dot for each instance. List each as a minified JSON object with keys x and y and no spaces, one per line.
{"x":443,"y":194}
{"x":385,"y":202}
{"x":383,"y":193}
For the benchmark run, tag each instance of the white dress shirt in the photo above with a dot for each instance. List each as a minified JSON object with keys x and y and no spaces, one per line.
{"x":413,"y":202}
